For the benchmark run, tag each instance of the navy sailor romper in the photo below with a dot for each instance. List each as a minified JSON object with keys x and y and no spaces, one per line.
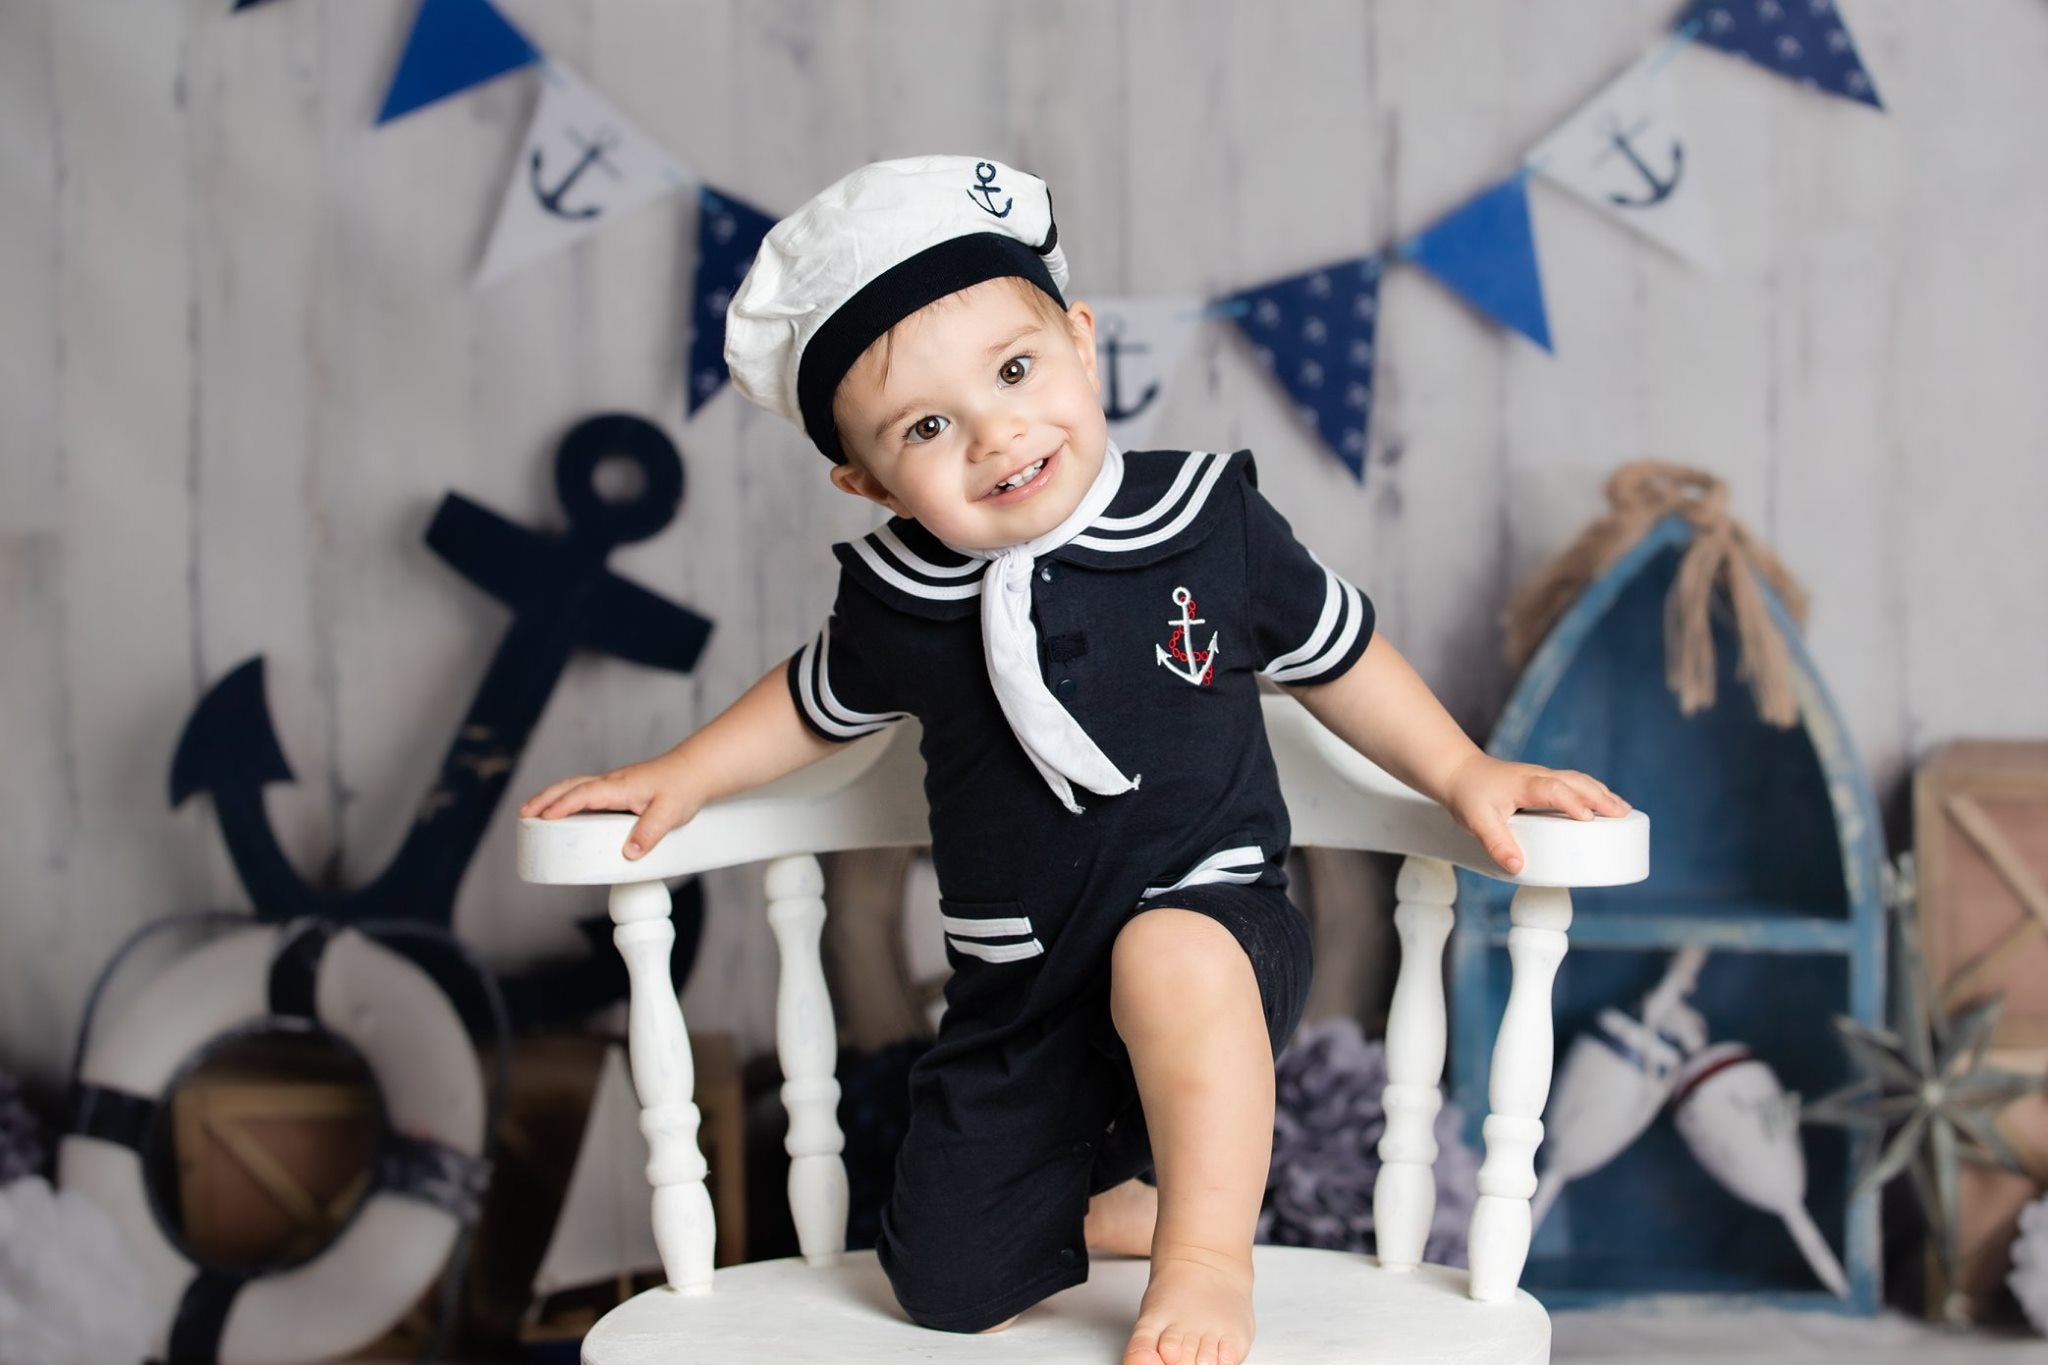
{"x":1154,"y":623}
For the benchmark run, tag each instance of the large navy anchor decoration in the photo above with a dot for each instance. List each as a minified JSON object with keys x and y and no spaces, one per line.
{"x":562,"y":598}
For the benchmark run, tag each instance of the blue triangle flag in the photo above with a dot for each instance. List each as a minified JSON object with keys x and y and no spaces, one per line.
{"x":1486,"y":252}
{"x":1805,"y":40}
{"x":1314,"y":334}
{"x":729,"y":232}
{"x":455,"y":44}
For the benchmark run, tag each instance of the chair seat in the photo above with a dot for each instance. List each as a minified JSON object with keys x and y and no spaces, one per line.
{"x":1325,"y":1307}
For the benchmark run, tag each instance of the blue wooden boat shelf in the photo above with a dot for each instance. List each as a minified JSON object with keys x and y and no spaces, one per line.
{"x":1766,"y":850}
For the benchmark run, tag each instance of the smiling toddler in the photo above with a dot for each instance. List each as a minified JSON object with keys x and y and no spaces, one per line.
{"x":1080,"y":632}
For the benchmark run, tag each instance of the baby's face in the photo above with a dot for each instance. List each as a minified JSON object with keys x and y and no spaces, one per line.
{"x":987,"y":428}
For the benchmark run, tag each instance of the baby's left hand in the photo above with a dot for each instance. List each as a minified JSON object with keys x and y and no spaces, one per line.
{"x":1485,"y":791}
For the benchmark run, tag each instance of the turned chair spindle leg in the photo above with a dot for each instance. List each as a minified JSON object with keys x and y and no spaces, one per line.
{"x":1404,"y":1195}
{"x":665,"y":1077}
{"x":1517,"y":1089}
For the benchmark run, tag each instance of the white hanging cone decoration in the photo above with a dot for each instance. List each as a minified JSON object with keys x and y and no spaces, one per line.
{"x":1744,"y":1129}
{"x":584,"y":164}
{"x":1616,"y":1078}
{"x":604,"y":1230}
{"x":1627,"y":153}
{"x":1139,"y":343}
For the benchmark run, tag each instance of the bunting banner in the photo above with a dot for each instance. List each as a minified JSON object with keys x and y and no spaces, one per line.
{"x":1626,"y":153}
{"x":1139,"y":343}
{"x":584,"y":165}
{"x":455,"y":44}
{"x":1313,"y":333}
{"x":729,"y":232}
{"x":1804,"y":40}
{"x":1485,"y":252}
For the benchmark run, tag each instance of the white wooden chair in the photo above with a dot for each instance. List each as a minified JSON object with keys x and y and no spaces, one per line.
{"x":1320,"y":1306}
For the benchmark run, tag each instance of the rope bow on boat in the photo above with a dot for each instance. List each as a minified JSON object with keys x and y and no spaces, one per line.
{"x":1722,"y":553}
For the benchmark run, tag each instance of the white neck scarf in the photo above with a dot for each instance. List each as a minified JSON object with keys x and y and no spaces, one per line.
{"x":1054,"y":741}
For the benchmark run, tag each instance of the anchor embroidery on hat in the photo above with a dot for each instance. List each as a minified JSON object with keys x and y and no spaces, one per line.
{"x":988,"y":189}
{"x":1178,"y":654}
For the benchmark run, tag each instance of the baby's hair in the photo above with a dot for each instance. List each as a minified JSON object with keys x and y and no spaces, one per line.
{"x":1048,"y":310}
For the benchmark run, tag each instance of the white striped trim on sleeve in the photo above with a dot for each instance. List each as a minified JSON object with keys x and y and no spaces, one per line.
{"x":1328,"y":642}
{"x":826,"y":711}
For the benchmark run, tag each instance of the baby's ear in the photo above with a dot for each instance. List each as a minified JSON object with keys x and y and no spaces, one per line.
{"x":851,"y":478}
{"x":1081,"y":329}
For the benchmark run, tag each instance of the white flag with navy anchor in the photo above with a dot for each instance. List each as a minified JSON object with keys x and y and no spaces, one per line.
{"x":583,"y":165}
{"x":1139,"y":344}
{"x":1627,"y":153}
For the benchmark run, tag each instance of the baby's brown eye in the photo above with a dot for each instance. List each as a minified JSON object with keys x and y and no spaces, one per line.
{"x":927,"y":428}
{"x":1015,"y":368}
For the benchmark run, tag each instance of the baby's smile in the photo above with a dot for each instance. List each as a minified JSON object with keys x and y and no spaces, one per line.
{"x":981,"y":420}
{"x":1025,"y":483}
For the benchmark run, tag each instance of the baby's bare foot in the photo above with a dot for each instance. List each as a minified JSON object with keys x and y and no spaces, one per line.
{"x":1197,"y":1310}
{"x":1120,"y":1219}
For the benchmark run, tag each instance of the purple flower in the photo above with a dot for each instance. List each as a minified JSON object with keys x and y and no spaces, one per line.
{"x":1327,"y":1122}
{"x":22,"y":1149}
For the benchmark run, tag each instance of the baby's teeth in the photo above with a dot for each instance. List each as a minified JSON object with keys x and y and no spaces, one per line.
{"x":1021,"y":477}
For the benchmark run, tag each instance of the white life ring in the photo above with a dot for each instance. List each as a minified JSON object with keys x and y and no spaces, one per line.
{"x":429,"y":1169}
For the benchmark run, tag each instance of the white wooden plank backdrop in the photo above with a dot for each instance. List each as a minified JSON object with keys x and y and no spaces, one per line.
{"x":240,"y":363}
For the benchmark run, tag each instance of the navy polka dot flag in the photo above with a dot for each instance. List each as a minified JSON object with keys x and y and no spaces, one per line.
{"x":1804,"y":40}
{"x":729,"y":232}
{"x":1313,"y":333}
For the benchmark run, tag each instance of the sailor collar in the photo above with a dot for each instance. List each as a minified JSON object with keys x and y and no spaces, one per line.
{"x":1169,"y":501}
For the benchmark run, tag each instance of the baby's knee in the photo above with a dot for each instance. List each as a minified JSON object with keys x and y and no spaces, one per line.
{"x":1175,"y":953}
{"x":976,"y":1273}
{"x":959,"y":1291}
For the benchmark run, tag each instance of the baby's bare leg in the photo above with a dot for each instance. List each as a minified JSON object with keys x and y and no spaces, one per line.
{"x":1185,"y":1001}
{"x":1120,"y":1219}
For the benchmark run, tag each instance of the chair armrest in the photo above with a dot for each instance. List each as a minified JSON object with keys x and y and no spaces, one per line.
{"x":1338,"y":798}
{"x":869,"y":795}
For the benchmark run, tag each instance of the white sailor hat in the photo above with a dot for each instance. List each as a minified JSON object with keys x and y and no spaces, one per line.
{"x":867,"y":252}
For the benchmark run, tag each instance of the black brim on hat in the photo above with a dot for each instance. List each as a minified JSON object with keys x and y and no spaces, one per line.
{"x":945,"y":268}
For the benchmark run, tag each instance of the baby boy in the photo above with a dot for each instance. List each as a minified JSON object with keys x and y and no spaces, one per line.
{"x":1080,"y":632}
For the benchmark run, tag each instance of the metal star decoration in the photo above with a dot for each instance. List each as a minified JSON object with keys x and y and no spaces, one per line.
{"x":1926,"y":1101}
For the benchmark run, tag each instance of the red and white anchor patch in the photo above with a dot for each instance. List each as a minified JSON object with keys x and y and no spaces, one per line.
{"x":1179,"y":654}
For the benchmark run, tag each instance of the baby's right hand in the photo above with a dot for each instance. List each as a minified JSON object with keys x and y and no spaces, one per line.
{"x":651,"y":790}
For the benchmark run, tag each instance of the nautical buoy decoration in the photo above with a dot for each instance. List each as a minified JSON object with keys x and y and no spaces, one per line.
{"x":429,"y":1170}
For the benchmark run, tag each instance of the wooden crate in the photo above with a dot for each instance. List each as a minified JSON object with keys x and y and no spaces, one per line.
{"x":1991,"y":1200}
{"x":274,"y":1139}
{"x":1980,"y":830}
